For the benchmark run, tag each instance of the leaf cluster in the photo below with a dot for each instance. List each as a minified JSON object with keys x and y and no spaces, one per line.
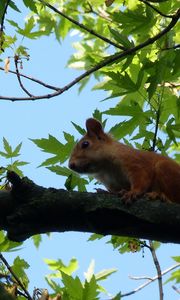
{"x":10,"y":154}
{"x":72,"y":287}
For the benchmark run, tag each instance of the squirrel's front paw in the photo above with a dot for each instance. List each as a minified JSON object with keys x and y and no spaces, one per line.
{"x":130,"y":196}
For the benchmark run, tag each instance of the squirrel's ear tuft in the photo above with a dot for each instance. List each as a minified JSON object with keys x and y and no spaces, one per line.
{"x":94,"y":127}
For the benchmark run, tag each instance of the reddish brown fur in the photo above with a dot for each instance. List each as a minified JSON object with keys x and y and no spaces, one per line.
{"x":123,"y":169}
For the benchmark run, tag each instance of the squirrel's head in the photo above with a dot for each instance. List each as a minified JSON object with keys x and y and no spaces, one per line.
{"x":89,"y":153}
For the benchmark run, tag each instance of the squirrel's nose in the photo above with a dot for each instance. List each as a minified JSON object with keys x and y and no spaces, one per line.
{"x":72,"y":165}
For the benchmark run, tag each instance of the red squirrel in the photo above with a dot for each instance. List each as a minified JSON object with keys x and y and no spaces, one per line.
{"x":123,"y":169}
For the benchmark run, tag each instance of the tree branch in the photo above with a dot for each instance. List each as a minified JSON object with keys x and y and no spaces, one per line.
{"x":31,"y":209}
{"x":16,"y":60}
{"x":46,"y":85}
{"x":15,"y":277}
{"x":155,"y":9}
{"x":91,"y":31}
{"x":158,"y":269}
{"x":109,"y":60}
{"x":150,"y":280}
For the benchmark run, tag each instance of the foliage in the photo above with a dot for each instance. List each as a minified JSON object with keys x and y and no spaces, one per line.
{"x":144,"y":82}
{"x":11,"y":154}
{"x":73,"y":287}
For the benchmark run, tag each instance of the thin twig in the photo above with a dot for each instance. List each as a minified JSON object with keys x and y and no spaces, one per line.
{"x":155,"y":9}
{"x":102,"y":13}
{"x":140,"y":277}
{"x":15,"y":277}
{"x":175,"y":288}
{"x":2,"y":25}
{"x":172,"y":47}
{"x":158,"y":269}
{"x":80,"y":25}
{"x":16,"y":59}
{"x":150,"y":281}
{"x":109,"y":60}
{"x":46,"y":85}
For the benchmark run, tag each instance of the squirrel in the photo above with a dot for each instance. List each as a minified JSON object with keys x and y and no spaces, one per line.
{"x":125,"y":170}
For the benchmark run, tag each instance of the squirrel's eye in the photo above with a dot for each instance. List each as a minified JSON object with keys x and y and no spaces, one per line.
{"x":84,"y":144}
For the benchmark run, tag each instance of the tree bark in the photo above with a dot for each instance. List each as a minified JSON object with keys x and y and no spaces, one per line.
{"x":30,"y":209}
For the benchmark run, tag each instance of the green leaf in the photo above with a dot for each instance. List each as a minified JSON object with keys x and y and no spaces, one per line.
{"x":7,"y":147}
{"x":121,"y":38}
{"x":8,"y":246}
{"x":123,"y":81}
{"x":2,"y":237}
{"x":19,"y":267}
{"x":176,"y":258}
{"x":104,"y":274}
{"x":53,"y":146}
{"x":123,"y":109}
{"x":13,"y":6}
{"x":13,"y":24}
{"x":54,"y":286}
{"x":90,"y":290}
{"x":17,"y":149}
{"x":95,"y":236}
{"x":4,"y":154}
{"x":81,"y":130}
{"x":9,"y":153}
{"x":128,"y":61}
{"x":63,"y":171}
{"x":153,"y":85}
{"x":74,"y":181}
{"x":117,"y":297}
{"x":50,"y":161}
{"x":58,"y":265}
{"x":175,"y":276}
{"x":2,"y":8}
{"x":31,"y":5}
{"x":156,"y":244}
{"x":123,"y":244}
{"x":74,"y":286}
{"x":37,"y":239}
{"x":98,"y":115}
{"x":90,"y":271}
{"x":169,"y":130}
{"x":125,"y":128}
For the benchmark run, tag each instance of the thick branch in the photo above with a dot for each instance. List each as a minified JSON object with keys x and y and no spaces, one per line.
{"x":30,"y":209}
{"x":109,"y":60}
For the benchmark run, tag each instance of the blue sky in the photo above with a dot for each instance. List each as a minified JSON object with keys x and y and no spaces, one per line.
{"x":23,"y":120}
